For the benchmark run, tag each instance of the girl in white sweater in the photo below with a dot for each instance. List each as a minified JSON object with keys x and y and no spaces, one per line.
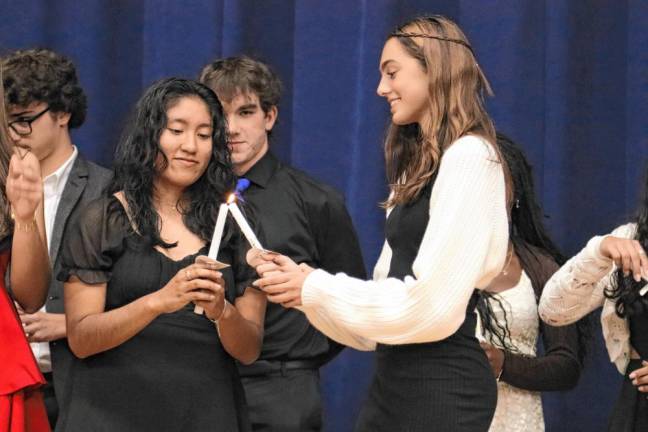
{"x":446,"y":238}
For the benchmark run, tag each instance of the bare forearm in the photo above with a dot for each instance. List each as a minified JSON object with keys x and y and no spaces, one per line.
{"x":100,"y":332}
{"x":30,"y":268}
{"x":240,"y":337}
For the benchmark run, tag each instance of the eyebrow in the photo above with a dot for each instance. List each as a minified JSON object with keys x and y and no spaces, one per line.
{"x":247,"y":107}
{"x":21,"y":113}
{"x":179,"y":120}
{"x":186,"y":123}
{"x":384,"y":64}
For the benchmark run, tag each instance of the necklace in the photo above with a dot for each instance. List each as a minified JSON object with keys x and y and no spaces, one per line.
{"x":504,"y":271}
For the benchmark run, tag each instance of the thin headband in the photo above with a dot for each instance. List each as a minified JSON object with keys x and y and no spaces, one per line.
{"x":412,"y":35}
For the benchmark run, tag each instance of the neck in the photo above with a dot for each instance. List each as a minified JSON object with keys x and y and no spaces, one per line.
{"x":57,"y":157}
{"x":242,"y":169}
{"x":166,"y":195}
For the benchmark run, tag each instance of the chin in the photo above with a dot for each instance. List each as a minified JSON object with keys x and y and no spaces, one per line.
{"x":400,"y":121}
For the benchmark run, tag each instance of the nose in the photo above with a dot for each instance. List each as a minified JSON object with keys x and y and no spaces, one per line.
{"x":383,"y":87}
{"x":190,"y":144}
{"x":232,"y":126}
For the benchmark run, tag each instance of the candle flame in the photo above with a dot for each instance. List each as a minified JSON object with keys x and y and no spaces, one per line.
{"x":231,"y":198}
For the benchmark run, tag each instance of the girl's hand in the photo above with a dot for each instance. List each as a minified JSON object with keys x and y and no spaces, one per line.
{"x":24,"y":187}
{"x":282,"y":280}
{"x":194,"y":283}
{"x":627,"y":254}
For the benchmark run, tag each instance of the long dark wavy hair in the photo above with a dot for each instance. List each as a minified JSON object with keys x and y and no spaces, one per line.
{"x":624,"y":290}
{"x":531,"y":241}
{"x":6,"y":146}
{"x":136,"y":166}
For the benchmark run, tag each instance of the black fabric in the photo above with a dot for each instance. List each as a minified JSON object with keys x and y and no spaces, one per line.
{"x":285,"y":402}
{"x":307,"y":221}
{"x":404,"y":231}
{"x":49,"y":398}
{"x":639,"y":334}
{"x":85,"y":184}
{"x":630,"y":413}
{"x":438,"y":386}
{"x":172,"y":376}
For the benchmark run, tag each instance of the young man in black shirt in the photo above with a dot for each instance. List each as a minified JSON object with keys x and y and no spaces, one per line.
{"x":299,"y":217}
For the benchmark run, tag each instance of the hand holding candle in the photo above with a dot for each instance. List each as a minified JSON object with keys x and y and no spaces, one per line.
{"x":215,"y":243}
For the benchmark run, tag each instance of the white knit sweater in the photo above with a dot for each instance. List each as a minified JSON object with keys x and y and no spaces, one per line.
{"x":463,"y":248}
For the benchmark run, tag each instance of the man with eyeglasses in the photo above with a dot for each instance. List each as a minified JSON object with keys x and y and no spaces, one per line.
{"x":44,"y":101}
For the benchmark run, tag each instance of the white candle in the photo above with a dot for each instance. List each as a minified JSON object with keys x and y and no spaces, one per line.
{"x":245,"y":227}
{"x":218,"y":232}
{"x":216,"y":240}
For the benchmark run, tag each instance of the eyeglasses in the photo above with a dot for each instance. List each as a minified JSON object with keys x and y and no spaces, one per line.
{"x":23,"y":126}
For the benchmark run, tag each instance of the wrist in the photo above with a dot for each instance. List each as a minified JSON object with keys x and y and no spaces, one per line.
{"x":25,"y":224}
{"x":225,"y":314}
{"x":152,"y":304}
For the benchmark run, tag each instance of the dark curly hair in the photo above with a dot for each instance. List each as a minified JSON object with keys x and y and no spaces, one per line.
{"x":137,"y":152}
{"x":624,"y":290}
{"x":233,"y":75}
{"x":531,"y":241}
{"x":41,"y":75}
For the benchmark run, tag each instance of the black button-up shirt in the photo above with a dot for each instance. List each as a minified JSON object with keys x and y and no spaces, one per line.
{"x":307,"y":221}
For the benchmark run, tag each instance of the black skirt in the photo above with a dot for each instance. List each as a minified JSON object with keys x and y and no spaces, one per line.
{"x":630,"y":413}
{"x":439,"y":386}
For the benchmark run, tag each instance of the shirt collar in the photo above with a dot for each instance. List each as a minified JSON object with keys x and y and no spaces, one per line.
{"x":59,"y":177}
{"x":262,"y":171}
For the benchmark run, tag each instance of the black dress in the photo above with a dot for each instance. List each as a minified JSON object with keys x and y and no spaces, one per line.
{"x":630,"y":414}
{"x":174,"y":375}
{"x":437,"y":386}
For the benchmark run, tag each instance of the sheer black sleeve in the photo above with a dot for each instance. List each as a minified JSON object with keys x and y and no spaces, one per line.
{"x":559,"y":368}
{"x":93,"y":240}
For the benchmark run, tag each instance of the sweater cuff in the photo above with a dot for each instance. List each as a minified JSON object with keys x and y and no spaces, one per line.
{"x":312,"y":285}
{"x":594,"y":249}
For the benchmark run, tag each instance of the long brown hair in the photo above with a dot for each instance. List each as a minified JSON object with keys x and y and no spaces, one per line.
{"x":5,"y":156}
{"x":456,"y":90}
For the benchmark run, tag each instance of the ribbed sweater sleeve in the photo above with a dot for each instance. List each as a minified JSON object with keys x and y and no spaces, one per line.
{"x":578,"y":287}
{"x":463,"y":247}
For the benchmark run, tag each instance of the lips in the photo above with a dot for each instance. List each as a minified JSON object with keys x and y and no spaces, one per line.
{"x":186,"y":161}
{"x":392,"y":103}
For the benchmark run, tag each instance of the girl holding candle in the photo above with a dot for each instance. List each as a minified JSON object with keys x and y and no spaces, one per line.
{"x":146,"y":361}
{"x":446,"y":239}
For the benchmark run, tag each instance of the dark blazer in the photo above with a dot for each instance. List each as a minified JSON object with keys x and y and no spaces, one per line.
{"x":85,"y":183}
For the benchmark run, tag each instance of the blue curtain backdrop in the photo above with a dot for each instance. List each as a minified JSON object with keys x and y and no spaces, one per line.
{"x":570,"y":79}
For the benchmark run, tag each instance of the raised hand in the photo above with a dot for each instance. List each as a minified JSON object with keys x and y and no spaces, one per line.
{"x":627,"y":254}
{"x":24,"y":187}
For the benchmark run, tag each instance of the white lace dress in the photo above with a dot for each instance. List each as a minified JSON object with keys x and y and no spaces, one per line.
{"x":518,"y":410}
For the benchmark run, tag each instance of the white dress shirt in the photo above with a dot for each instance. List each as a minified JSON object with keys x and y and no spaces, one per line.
{"x":53,"y":186}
